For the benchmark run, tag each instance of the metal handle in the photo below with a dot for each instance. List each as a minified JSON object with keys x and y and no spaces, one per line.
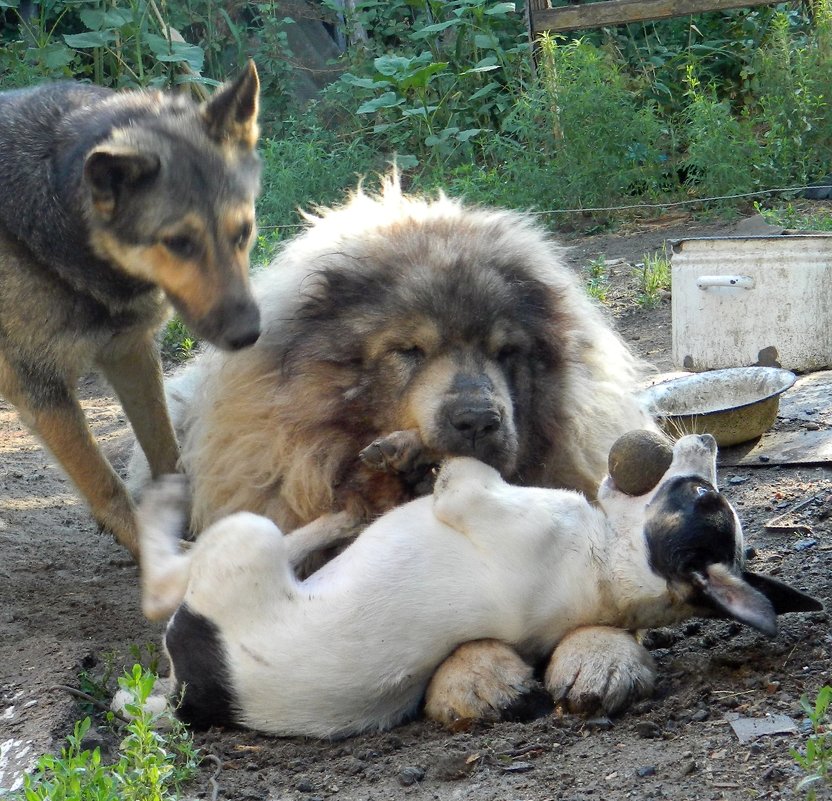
{"x":733,"y":281}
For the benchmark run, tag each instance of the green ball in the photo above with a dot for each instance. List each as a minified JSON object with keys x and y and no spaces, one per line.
{"x":638,"y":460}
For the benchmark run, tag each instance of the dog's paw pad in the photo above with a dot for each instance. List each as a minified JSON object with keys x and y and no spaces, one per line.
{"x":599,"y":668}
{"x":394,"y":453}
{"x":481,"y":681}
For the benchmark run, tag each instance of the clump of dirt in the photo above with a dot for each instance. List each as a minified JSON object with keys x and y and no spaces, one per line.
{"x":69,"y":602}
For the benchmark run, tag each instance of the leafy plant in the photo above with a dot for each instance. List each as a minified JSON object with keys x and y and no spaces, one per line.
{"x":653,"y":278}
{"x":178,"y":344}
{"x":125,"y":44}
{"x":451,"y":79}
{"x":596,"y":279}
{"x":816,"y":758}
{"x":151,"y":765}
{"x":793,"y":215}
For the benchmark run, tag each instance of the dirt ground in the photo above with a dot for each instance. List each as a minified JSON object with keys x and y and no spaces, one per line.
{"x":69,"y":602}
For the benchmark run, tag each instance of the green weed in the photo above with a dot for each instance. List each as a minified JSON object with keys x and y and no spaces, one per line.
{"x":596,"y":279}
{"x":795,"y":217}
{"x":815,"y":759}
{"x":151,"y":765}
{"x":178,"y":344}
{"x":653,"y":279}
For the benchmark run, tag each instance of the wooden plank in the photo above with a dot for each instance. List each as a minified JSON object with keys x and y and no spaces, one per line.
{"x":619,"y":12}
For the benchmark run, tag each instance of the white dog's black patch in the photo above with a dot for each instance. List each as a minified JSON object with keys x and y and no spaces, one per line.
{"x":195,"y":647}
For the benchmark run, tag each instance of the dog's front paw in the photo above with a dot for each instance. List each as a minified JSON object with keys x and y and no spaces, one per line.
{"x":599,"y":668}
{"x":481,"y":681}
{"x":398,"y":452}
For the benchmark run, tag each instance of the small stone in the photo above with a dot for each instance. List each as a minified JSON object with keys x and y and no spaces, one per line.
{"x":518,"y":767}
{"x":812,"y":426}
{"x":304,"y":785}
{"x":648,"y":730}
{"x":805,"y":544}
{"x":763,"y":458}
{"x":644,"y":772}
{"x":737,"y":479}
{"x":602,"y":723}
{"x":410,"y":775}
{"x":699,"y":716}
{"x":453,"y":767}
{"x":686,"y":767}
{"x":92,"y":740}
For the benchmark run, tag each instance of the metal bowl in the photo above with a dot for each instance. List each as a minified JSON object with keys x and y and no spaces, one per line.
{"x":734,"y":405}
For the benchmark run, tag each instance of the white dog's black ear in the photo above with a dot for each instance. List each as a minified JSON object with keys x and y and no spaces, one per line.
{"x":736,"y":598}
{"x":782,"y":597}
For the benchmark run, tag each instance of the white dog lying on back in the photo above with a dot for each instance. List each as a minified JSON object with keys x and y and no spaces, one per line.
{"x":353,"y":647}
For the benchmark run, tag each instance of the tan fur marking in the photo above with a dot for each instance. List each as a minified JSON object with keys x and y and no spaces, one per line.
{"x":420,"y":332}
{"x":64,"y":430}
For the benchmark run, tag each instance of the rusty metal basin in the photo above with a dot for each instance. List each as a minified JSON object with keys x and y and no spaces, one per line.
{"x":734,"y":405}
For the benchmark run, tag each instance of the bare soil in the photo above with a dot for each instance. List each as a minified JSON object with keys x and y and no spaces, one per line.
{"x":69,"y":603}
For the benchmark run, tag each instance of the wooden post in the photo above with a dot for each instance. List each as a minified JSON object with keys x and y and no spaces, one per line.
{"x":533,"y":8}
{"x":620,"y":12}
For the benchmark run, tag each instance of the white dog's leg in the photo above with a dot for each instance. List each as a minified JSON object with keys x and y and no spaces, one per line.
{"x":162,"y":516}
{"x":480,"y":680}
{"x":325,"y":532}
{"x":598,"y":667}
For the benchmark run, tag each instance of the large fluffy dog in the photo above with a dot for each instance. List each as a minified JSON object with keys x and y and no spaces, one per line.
{"x":352,"y":647}
{"x":458,"y":328}
{"x":112,"y":206}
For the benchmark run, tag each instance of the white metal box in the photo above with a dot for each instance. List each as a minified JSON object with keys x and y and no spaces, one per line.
{"x":761,"y":300}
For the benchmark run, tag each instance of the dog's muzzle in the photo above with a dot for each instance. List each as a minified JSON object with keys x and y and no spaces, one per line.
{"x":472,"y":424}
{"x":232,"y":326}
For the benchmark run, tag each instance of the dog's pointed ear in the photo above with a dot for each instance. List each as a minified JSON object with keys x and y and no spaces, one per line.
{"x":110,"y":169}
{"x":734,"y":597}
{"x":231,"y":114}
{"x":782,"y":597}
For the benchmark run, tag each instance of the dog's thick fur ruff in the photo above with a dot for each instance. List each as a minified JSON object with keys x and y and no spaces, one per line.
{"x":406,"y":330}
{"x":114,"y":205}
{"x":393,"y":313}
{"x":352,"y":647}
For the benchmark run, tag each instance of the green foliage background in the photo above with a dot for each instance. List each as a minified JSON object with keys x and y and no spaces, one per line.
{"x":722,"y":103}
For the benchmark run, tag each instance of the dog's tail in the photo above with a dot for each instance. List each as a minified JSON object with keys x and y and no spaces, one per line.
{"x":162,"y":517}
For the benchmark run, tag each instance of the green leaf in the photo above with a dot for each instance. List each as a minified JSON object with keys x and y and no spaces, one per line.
{"x":487,"y":41}
{"x":56,"y":55}
{"x":393,"y":65}
{"x":97,"y":19}
{"x":501,"y":9}
{"x":419,"y":111}
{"x":363,"y":83}
{"x":175,"y":52}
{"x":437,"y":27}
{"x":387,"y":100}
{"x":485,"y":90}
{"x":423,"y":76}
{"x":470,"y":133}
{"x":89,"y":39}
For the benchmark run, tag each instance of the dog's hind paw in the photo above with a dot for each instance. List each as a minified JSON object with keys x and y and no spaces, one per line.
{"x":484,"y":680}
{"x":599,"y":668}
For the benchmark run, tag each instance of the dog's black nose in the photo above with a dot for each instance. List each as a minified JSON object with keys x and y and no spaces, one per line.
{"x":243,"y":339}
{"x":475,"y":422}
